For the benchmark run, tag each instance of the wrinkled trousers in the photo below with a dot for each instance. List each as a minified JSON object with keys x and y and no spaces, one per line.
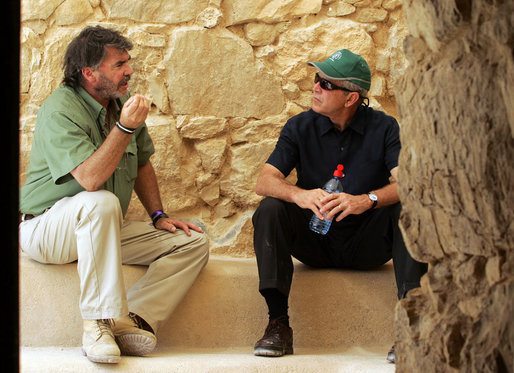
{"x":281,"y":231}
{"x":89,"y":228}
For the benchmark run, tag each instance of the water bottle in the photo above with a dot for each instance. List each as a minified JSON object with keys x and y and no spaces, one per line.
{"x":332,"y":186}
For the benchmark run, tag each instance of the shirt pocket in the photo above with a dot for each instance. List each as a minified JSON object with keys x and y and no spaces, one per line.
{"x":129,"y":162}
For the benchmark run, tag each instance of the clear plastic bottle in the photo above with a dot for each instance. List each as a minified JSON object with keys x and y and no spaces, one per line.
{"x":332,"y":186}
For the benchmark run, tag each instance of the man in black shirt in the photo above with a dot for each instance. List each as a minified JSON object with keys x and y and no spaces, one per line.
{"x":339,"y":129}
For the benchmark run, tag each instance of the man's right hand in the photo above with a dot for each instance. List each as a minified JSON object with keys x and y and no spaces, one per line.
{"x":134,"y":111}
{"x":310,"y":199}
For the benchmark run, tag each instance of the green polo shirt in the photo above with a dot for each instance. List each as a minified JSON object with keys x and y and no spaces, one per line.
{"x":69,"y":129}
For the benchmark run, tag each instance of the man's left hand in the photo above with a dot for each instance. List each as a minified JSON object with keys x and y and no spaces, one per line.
{"x":169,"y":224}
{"x":344,"y":204}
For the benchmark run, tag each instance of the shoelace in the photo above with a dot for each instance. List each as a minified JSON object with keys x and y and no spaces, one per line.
{"x":135,"y":320}
{"x":275,"y":327}
{"x":104,"y":327}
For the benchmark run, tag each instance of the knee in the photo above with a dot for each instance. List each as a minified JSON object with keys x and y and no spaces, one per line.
{"x":268,"y":208}
{"x":200,"y":243}
{"x":101,"y":203}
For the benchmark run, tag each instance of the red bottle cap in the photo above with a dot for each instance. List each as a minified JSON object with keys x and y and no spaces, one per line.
{"x":339,"y":171}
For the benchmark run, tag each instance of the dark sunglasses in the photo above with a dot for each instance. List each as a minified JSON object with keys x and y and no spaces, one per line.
{"x":328,"y":86}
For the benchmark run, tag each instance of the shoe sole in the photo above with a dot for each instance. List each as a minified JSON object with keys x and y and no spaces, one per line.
{"x":262,"y":351}
{"x":102,"y":359}
{"x":135,"y":344}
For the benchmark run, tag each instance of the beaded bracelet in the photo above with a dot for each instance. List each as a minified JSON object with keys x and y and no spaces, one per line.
{"x":124,"y":129}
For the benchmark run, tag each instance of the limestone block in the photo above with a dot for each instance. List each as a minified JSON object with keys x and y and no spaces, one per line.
{"x":209,"y":17}
{"x":291,"y":90}
{"x":383,"y":61}
{"x":391,"y":4}
{"x":256,"y":130}
{"x":30,"y":57}
{"x":211,"y":193}
{"x":378,"y":86}
{"x":238,"y":182}
{"x":141,"y":37}
{"x":209,"y":57}
{"x":200,"y":128}
{"x":259,"y":34}
{"x":395,"y":51}
{"x":51,"y":64}
{"x":38,"y":9}
{"x":264,"y":52}
{"x":225,"y":208}
{"x":157,"y":11}
{"x":372,"y":15}
{"x":212,"y":153}
{"x":73,"y":11}
{"x":238,"y":12}
{"x":316,"y":42}
{"x":158,"y":92}
{"x":341,"y":8}
{"x":359,"y":3}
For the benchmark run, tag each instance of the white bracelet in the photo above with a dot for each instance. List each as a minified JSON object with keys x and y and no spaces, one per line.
{"x":124,"y":129}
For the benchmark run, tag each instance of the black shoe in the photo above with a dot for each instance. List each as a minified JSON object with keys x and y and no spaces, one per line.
{"x":277,"y":340}
{"x":391,"y":355}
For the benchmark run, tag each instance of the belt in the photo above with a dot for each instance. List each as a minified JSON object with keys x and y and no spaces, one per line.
{"x":25,"y":217}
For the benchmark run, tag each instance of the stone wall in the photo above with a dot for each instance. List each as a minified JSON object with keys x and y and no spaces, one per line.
{"x":456,"y":104}
{"x":223,"y":77}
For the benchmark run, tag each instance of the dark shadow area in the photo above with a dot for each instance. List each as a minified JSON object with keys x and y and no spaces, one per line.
{"x":10,"y":313}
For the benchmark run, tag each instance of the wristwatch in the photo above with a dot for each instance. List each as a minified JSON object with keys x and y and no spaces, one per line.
{"x":373,"y":197}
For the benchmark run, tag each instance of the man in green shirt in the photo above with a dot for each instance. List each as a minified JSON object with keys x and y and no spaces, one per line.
{"x":91,"y":149}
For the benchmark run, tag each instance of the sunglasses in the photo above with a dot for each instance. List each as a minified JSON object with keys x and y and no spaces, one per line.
{"x":328,"y":86}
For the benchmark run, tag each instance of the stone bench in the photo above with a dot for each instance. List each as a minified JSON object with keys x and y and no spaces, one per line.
{"x":330,"y":310}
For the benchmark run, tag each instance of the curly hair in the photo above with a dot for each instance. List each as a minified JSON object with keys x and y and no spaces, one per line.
{"x":88,"y":49}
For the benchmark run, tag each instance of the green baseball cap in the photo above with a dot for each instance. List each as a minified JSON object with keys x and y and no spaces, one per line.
{"x":346,"y":65}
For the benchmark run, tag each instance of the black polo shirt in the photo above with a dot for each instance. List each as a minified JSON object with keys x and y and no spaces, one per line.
{"x":368,"y":148}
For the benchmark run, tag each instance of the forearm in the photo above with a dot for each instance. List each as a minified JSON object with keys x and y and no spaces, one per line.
{"x":94,"y":171}
{"x":272,"y":183}
{"x":387,"y":195}
{"x":147,"y":188}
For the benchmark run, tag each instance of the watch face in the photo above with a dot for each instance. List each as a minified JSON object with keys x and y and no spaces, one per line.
{"x":373,"y":197}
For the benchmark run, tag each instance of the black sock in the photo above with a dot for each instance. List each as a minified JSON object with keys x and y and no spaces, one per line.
{"x":277,"y":304}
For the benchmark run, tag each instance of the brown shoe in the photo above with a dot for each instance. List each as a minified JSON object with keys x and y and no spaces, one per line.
{"x":277,"y":340}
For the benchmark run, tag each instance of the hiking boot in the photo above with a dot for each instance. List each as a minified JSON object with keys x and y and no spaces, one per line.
{"x":98,"y":342}
{"x":132,"y":339}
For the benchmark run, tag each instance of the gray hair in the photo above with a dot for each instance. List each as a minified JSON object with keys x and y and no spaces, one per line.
{"x":363,"y":93}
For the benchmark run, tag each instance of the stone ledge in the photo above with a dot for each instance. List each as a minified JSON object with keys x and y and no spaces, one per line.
{"x":43,"y":360}
{"x":328,"y":308}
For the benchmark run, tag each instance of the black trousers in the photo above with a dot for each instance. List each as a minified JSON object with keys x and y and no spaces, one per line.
{"x":363,"y":242}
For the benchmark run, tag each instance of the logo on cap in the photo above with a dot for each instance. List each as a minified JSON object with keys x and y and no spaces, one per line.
{"x":336,"y":56}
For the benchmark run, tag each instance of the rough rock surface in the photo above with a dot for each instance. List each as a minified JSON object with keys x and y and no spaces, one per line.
{"x":457,"y":186}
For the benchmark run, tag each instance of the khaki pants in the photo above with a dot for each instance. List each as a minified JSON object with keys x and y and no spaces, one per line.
{"x":89,"y":228}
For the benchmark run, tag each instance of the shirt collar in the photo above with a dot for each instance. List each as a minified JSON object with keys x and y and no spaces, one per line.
{"x":357,"y":123}
{"x":95,"y":106}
